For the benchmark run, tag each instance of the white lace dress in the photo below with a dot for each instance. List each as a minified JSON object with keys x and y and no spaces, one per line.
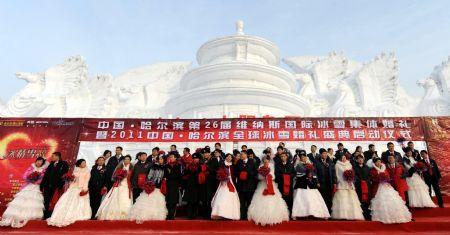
{"x":71,"y":206}
{"x":346,"y":204}
{"x":267,"y":209}
{"x":387,"y":206}
{"x":28,"y":203}
{"x":117,"y":203}
{"x":418,"y":195}
{"x":225,"y":204}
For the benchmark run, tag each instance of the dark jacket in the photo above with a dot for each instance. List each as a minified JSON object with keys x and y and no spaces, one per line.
{"x":248,"y":185}
{"x":385,"y":155}
{"x":305,"y":178}
{"x":281,"y":170}
{"x":326,"y":178}
{"x":98,"y":179}
{"x":139,"y":169}
{"x":361,"y":174}
{"x":172,"y":174}
{"x":110,"y":168}
{"x":53,"y":175}
{"x":432,"y":175}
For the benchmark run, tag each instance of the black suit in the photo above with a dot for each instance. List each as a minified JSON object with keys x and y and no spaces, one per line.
{"x":281,"y":170}
{"x":385,"y":156}
{"x":247,"y":187}
{"x":313,"y":157}
{"x":138,"y":169}
{"x":172,"y":173}
{"x":96,"y":184}
{"x":326,"y":175}
{"x":111,"y":165}
{"x":368,"y":155}
{"x":51,"y":182}
{"x":432,"y":178}
{"x":211,"y":185}
{"x":362,"y":173}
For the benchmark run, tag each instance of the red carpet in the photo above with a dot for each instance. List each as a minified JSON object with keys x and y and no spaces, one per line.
{"x":436,"y":221}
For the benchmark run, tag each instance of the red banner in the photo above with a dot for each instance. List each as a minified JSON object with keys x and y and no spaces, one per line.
{"x":22,"y":140}
{"x":256,"y":129}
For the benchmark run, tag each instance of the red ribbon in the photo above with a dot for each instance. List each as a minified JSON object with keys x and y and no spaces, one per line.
{"x":230,"y":186}
{"x":269,"y":190}
{"x":334,"y":189}
{"x":364,"y":191}
{"x":202,"y":174}
{"x":286,"y":184}
{"x":163,"y":188}
{"x":103,"y":191}
{"x":243,"y":175}
{"x":141,"y":180}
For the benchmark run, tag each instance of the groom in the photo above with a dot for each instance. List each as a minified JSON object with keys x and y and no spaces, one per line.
{"x":53,"y":180}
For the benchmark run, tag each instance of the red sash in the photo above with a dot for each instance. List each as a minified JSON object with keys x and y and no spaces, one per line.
{"x":269,"y":190}
{"x":163,"y":188}
{"x":243,"y":175}
{"x":364,"y":191}
{"x":141,"y":180}
{"x":230,"y":186}
{"x":286,"y":184}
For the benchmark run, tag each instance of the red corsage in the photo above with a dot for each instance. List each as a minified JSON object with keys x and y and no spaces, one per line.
{"x":264,"y":171}
{"x":420,"y":167}
{"x":149,"y":187}
{"x":349,"y":176}
{"x":33,"y":177}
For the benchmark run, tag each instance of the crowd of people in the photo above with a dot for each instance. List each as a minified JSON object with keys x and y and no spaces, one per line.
{"x":211,"y":184}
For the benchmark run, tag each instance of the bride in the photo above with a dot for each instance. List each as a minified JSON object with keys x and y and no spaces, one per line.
{"x":225,"y":203}
{"x":307,"y":199}
{"x":346,"y":204}
{"x":118,"y":201}
{"x":151,"y":203}
{"x":267,"y":206}
{"x":74,"y":203}
{"x":418,"y":195}
{"x":28,"y":204}
{"x":387,"y":206}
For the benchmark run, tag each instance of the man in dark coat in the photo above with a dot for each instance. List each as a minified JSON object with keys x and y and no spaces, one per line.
{"x":432,"y":176}
{"x":326,"y":175}
{"x":53,"y":180}
{"x":284,"y":176}
{"x":139,"y":174}
{"x":390,"y":151}
{"x":191,"y":185}
{"x":362,"y":186}
{"x":341,"y":151}
{"x":246,"y":181}
{"x":211,"y":183}
{"x":111,"y":164}
{"x":371,"y":153}
{"x":172,"y":174}
{"x":313,"y":155}
{"x":96,"y":185}
{"x":415,"y":152}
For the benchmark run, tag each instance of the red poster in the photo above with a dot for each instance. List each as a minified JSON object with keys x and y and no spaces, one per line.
{"x":251,"y":129}
{"x":22,"y":140}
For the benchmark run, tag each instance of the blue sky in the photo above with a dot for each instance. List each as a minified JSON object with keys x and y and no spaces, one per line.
{"x":118,"y":35}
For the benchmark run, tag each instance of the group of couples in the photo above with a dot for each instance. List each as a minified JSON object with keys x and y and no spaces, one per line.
{"x":218,"y":186}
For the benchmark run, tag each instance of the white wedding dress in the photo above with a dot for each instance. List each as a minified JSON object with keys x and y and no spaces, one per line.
{"x":28,"y":203}
{"x":418,"y":195}
{"x":346,"y":204}
{"x":71,"y":206}
{"x":308,"y":201}
{"x":117,"y":203}
{"x":149,"y":207}
{"x":267,"y":209}
{"x":225,"y":204}
{"x":387,"y":206}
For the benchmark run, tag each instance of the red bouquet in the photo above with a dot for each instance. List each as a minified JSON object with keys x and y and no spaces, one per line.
{"x":309,"y":167}
{"x":222,"y":174}
{"x":33,"y":177}
{"x":68,"y":177}
{"x":120,"y":174}
{"x":264,"y":171}
{"x":192,"y":166}
{"x":420,"y":167}
{"x":349,"y":175}
{"x":104,"y":191}
{"x":383,"y":177}
{"x":82,"y":193}
{"x":149,"y":187}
